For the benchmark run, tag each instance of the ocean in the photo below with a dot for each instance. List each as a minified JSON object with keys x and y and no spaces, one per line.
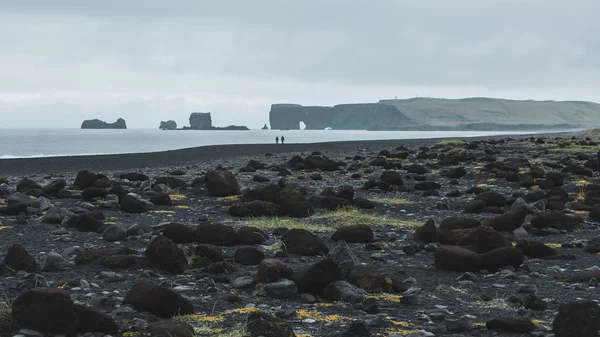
{"x":28,"y":143}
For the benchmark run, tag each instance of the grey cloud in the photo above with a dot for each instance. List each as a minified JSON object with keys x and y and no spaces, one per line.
{"x":241,"y":54}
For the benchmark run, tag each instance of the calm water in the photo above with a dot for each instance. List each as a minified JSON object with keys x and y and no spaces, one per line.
{"x":59,"y":142}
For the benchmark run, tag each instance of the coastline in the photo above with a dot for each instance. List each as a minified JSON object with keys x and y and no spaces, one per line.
{"x":189,"y":156}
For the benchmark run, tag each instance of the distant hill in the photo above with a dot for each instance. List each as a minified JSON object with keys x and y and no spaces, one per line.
{"x":454,"y":112}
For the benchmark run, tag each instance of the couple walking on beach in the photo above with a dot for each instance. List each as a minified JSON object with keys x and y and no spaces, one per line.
{"x":277,"y":140}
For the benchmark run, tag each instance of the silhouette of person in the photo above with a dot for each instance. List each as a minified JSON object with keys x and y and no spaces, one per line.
{"x":277,"y":140}
{"x":282,"y":140}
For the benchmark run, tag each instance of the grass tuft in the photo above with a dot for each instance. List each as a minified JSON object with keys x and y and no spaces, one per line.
{"x":393,"y":201}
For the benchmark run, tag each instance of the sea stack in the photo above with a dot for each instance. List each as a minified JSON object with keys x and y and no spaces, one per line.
{"x":168,"y":125}
{"x":200,"y":121}
{"x":98,"y":124}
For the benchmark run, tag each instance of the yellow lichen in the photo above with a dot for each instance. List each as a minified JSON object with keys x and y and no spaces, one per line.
{"x":176,"y":197}
{"x":5,"y":227}
{"x":386,"y":297}
{"x":241,"y":311}
{"x":229,"y":198}
{"x":162,"y":211}
{"x":316,"y":315}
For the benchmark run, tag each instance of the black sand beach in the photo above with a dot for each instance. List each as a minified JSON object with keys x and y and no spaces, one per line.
{"x":489,"y":236}
{"x":166,"y":159}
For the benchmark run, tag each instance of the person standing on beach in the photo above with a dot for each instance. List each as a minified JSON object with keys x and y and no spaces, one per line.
{"x":282,"y":140}
{"x":277,"y":140}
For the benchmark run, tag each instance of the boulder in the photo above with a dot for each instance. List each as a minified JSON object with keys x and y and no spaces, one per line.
{"x":85,"y":179}
{"x":119,"y":261}
{"x":18,"y":258}
{"x":263,"y":324}
{"x":577,"y":318}
{"x":457,"y":259}
{"x":502,"y":257}
{"x":281,"y":289}
{"x":484,"y":239}
{"x":508,"y":222}
{"x":30,"y":187}
{"x":456,"y":172}
{"x":179,"y":233}
{"x":315,"y":278}
{"x":171,"y":182}
{"x":333,"y":203}
{"x":557,"y":220}
{"x":392,"y":178}
{"x":163,"y":253}
{"x":345,"y":292}
{"x":157,"y":300}
{"x":492,"y":199}
{"x":512,"y":324}
{"x":161,"y":199}
{"x":303,"y":242}
{"x":426,"y":233}
{"x":91,"y":320}
{"x":92,"y":255}
{"x":211,"y":252}
{"x":459,"y":222}
{"x":271,"y":270}
{"x":427,"y":186}
{"x":216,"y":234}
{"x":367,"y":278}
{"x":321,"y":163}
{"x":114,"y":233}
{"x":46,"y":310}
{"x":85,"y":223}
{"x":293,"y":203}
{"x":131,"y":204}
{"x":248,"y":256}
{"x":53,"y":188}
{"x":354,"y":234}
{"x":255,"y":208}
{"x":91,"y":193}
{"x":171,"y":328}
{"x":251,"y":235}
{"x":134,"y":176}
{"x":535,"y":249}
{"x":221,"y":184}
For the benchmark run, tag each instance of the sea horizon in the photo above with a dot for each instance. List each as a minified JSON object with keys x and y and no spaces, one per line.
{"x":54,"y":142}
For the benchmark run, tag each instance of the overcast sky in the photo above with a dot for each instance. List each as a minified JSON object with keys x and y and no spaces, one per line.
{"x":63,"y":61}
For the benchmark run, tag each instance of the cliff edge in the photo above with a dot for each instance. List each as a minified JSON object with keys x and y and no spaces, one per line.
{"x":439,"y":114}
{"x":338,"y":117}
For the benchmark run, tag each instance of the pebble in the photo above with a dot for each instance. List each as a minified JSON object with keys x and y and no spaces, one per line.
{"x":243,"y":282}
{"x":377,"y":257}
{"x":28,"y":332}
{"x":527,"y":289}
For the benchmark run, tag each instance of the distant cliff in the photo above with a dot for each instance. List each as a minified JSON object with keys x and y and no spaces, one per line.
{"x":168,"y":125}
{"x":98,"y":124}
{"x":475,"y":114}
{"x":481,"y":110}
{"x":338,"y":117}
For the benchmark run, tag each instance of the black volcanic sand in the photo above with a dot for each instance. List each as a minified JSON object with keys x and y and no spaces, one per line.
{"x":436,"y":297}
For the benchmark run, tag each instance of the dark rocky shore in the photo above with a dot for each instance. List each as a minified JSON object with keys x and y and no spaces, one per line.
{"x":492,"y":236}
